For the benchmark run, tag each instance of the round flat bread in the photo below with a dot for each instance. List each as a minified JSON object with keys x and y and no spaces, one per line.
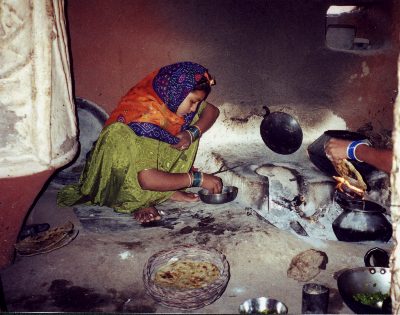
{"x":187,"y":274}
{"x":347,"y":170}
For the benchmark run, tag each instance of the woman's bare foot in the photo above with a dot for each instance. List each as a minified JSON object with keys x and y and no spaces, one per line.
{"x":146,"y":215}
{"x":184,"y":196}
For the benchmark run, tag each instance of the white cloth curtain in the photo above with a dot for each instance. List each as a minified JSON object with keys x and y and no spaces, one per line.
{"x":38,"y":128}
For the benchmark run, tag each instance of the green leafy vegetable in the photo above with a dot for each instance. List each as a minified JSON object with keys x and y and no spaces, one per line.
{"x":370,"y":298}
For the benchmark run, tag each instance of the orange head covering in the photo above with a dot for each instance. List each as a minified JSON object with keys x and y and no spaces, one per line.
{"x":149,"y":108}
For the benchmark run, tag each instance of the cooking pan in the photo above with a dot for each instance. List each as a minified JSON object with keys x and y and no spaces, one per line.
{"x":364,"y":280}
{"x":281,"y":132}
{"x":368,"y":280}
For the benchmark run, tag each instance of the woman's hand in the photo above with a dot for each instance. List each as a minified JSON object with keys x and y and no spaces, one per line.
{"x":184,"y":141}
{"x":336,"y":149}
{"x":212,"y":183}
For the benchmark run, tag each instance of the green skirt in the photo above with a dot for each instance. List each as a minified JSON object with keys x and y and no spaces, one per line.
{"x":110,"y":174}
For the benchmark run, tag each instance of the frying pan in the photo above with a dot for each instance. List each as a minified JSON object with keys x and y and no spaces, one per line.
{"x":363,"y":280}
{"x":281,"y":132}
{"x":367,"y":279}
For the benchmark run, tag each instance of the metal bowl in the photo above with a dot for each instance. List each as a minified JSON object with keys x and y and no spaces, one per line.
{"x":262,"y":305}
{"x":227,"y":194}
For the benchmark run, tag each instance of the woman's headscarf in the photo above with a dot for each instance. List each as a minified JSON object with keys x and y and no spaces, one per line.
{"x":149,"y":108}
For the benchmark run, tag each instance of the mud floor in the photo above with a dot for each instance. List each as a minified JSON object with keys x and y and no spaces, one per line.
{"x":101,"y":269}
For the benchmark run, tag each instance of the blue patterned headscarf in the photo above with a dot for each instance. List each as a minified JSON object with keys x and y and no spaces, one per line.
{"x":172,"y":84}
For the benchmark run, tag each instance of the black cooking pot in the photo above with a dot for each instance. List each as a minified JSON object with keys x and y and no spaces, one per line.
{"x":377,"y":257}
{"x":281,"y":132}
{"x":361,"y":220}
{"x":316,"y":152}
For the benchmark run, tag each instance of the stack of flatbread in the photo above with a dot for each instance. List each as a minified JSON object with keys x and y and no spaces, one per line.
{"x":187,"y":274}
{"x":47,"y":241}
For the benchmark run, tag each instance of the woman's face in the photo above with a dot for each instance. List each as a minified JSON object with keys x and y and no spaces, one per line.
{"x":190,"y":103}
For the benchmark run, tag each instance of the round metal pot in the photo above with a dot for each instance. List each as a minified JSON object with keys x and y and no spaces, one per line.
{"x":362,"y":221}
{"x":281,"y":132}
{"x":227,"y":194}
{"x":262,"y":305}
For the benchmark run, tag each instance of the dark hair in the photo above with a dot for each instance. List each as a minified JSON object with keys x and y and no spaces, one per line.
{"x":203,"y":85}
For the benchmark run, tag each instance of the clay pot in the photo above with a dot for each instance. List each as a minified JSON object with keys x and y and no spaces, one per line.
{"x":362,"y":221}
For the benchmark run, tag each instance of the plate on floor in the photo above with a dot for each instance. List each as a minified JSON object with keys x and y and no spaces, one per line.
{"x":45,"y":242}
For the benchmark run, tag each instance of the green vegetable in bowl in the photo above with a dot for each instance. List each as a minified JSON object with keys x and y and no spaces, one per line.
{"x":370,"y":299}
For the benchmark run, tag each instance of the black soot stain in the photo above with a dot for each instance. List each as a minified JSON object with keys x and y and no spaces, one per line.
{"x":130,"y":245}
{"x":71,"y":298}
{"x":206,"y":221}
{"x":132,"y":302}
{"x":166,"y":223}
{"x":215,"y":229}
{"x":29,"y":303}
{"x":202,"y":238}
{"x":207,"y":225}
{"x":140,"y":309}
{"x":186,"y":230}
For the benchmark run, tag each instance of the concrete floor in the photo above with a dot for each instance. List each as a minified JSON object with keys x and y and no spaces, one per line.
{"x":101,"y":270}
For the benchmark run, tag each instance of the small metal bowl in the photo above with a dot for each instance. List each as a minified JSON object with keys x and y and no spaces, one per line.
{"x":227,"y":194}
{"x":262,"y":305}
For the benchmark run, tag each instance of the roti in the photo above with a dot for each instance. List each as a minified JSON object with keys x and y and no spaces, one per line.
{"x":187,"y":274}
{"x":347,"y":170}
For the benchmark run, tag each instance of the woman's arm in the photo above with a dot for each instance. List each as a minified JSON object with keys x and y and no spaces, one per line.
{"x":336,"y":150}
{"x":207,"y":117}
{"x":381,"y":159}
{"x":152,"y":179}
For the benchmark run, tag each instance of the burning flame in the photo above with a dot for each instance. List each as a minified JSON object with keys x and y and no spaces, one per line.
{"x":344,"y":186}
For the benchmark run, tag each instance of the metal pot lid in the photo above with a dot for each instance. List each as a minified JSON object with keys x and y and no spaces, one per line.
{"x":281,"y":132}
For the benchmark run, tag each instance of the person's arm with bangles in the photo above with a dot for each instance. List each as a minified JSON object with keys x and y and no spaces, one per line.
{"x":153,"y":179}
{"x":337,"y":149}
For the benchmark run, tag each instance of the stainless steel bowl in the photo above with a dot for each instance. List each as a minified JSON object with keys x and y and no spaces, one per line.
{"x":227,"y":194}
{"x":262,"y":305}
